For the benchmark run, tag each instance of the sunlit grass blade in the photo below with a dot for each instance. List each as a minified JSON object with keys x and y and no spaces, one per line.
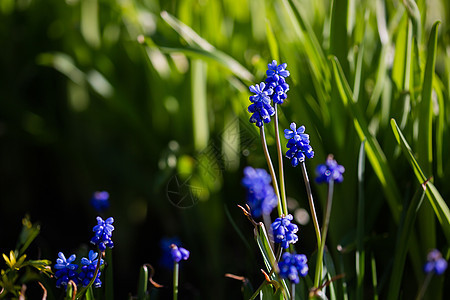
{"x":440,"y":207}
{"x":373,"y":150}
{"x":360,"y":252}
{"x":401,"y":249}
{"x":197,"y":44}
{"x":269,"y":258}
{"x":272,"y":42}
{"x":143,"y":282}
{"x":199,"y":105}
{"x":425,"y":137}
{"x":373,"y":265}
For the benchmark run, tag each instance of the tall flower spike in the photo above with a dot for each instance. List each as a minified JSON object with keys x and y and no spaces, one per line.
{"x":178,"y":253}
{"x":292,"y":266}
{"x":103,"y":233}
{"x":284,"y":231}
{"x":260,"y":108}
{"x":276,"y":75}
{"x":298,"y":144}
{"x":260,"y":193}
{"x":65,"y":270}
{"x":88,"y":270}
{"x":331,"y":170}
{"x":435,"y":263}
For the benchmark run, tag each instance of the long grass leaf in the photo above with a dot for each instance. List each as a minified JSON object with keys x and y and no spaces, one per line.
{"x":360,"y":253}
{"x":201,"y":46}
{"x":401,"y":249}
{"x":440,"y":207}
{"x":374,"y":152}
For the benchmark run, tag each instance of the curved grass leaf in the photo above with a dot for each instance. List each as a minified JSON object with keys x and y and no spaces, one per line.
{"x":201,"y":47}
{"x":401,"y":249}
{"x":439,"y":206}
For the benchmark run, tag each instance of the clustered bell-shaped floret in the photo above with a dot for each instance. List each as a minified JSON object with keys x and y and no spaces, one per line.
{"x":261,"y":197}
{"x":284,"y":231}
{"x":260,"y":108}
{"x":293,"y":266}
{"x":65,"y":270}
{"x":178,"y":253}
{"x":331,"y":170}
{"x":103,"y":232}
{"x":435,"y":263}
{"x":276,"y":75}
{"x":88,"y":270}
{"x":298,"y":144}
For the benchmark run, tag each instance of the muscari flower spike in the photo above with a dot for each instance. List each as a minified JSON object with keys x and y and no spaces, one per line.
{"x":284,"y":231}
{"x":260,"y":108}
{"x":298,"y":144}
{"x":435,"y":263}
{"x":100,"y":201}
{"x":292,"y":266}
{"x":276,"y":75}
{"x":260,"y":194}
{"x":103,"y":232}
{"x":65,"y":270}
{"x":331,"y":170}
{"x":178,"y":253}
{"x":88,"y":270}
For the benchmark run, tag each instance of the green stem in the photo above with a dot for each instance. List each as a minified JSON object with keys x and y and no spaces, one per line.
{"x":424,"y":286}
{"x":326,"y":222}
{"x":175,"y":280}
{"x":292,"y":291}
{"x":271,"y":170}
{"x":311,"y":203}
{"x":256,"y":293}
{"x":280,"y":163}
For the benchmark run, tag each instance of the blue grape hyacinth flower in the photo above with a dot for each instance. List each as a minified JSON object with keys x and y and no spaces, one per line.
{"x":293,"y":266}
{"x":331,"y":170}
{"x":298,"y":144}
{"x":260,"y":108}
{"x":284,"y":231}
{"x":178,"y":253}
{"x":100,"y":201}
{"x":103,"y":233}
{"x":275,"y":80}
{"x":435,"y":263}
{"x":261,"y":196}
{"x":65,"y":270}
{"x":88,"y":270}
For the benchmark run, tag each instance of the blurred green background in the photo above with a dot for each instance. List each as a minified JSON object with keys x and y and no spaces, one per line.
{"x":147,"y":100}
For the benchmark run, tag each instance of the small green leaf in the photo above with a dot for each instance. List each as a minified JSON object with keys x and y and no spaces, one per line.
{"x":143,"y":280}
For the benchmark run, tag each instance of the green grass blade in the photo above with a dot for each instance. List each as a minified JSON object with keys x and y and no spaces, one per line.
{"x":401,"y":249}
{"x":360,"y":253}
{"x":197,"y":42}
{"x":374,"y":277}
{"x":338,"y":31}
{"x":374,"y":152}
{"x":272,"y":42}
{"x":143,"y":281}
{"x":440,"y":207}
{"x":425,"y":137}
{"x":199,"y":104}
{"x":269,"y":258}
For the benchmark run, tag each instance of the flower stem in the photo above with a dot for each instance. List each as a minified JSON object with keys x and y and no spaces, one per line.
{"x":176,"y":268}
{"x":292,"y":291}
{"x":271,"y":170}
{"x":424,"y":287}
{"x":280,"y":163}
{"x":311,"y":203}
{"x":326,"y":222}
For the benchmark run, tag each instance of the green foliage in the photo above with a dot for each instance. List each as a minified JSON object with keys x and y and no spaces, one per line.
{"x":127,"y":95}
{"x":21,"y":271}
